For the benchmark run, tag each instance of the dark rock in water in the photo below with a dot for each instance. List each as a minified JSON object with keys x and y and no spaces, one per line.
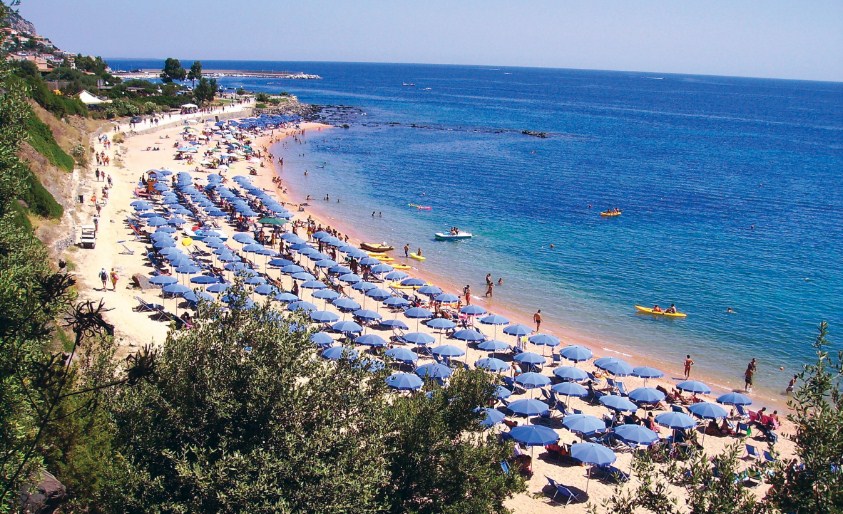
{"x":44,"y":497}
{"x":534,"y":133}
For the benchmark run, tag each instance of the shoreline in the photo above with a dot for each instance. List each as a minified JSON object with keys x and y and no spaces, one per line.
{"x":321,"y":213}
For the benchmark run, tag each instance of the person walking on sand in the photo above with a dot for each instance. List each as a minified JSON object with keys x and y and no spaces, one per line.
{"x":748,"y":376}
{"x":537,"y":319}
{"x":114,"y":278}
{"x":688,"y":363}
{"x":104,"y":278}
{"x":467,"y":292}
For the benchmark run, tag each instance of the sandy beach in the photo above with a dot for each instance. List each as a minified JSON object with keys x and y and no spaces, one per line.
{"x":117,"y":248}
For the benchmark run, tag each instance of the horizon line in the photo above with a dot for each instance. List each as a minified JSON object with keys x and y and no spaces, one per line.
{"x":496,"y":66}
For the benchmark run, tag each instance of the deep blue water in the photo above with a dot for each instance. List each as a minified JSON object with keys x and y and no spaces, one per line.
{"x":731,"y":190}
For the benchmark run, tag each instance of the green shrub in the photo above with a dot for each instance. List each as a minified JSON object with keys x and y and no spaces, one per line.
{"x":39,"y":200}
{"x":41,"y":138}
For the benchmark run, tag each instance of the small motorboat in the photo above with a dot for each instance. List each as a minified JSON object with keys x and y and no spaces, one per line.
{"x":453,"y":236}
{"x":377,"y":247}
{"x":610,"y":214}
{"x":420,"y":207}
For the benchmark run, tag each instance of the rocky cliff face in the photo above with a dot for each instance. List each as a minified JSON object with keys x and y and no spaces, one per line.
{"x":16,"y":21}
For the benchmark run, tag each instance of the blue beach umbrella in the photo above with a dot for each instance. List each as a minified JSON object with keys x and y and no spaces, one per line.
{"x":303,"y":276}
{"x":373,"y":340}
{"x":301,"y":306}
{"x":544,"y":340}
{"x":286,"y":297}
{"x":492,"y":364}
{"x":350,"y":278}
{"x":348,"y":327}
{"x":576,"y":353}
{"x":244,"y":238}
{"x":339,"y":352}
{"x":468,"y":335}
{"x":313,"y":284}
{"x":402,"y":355}
{"x":156,"y":221}
{"x":291,"y":269}
{"x":527,"y":407}
{"x":322,"y":339}
{"x":218,"y":288}
{"x":594,"y":454}
{"x":693,"y":386}
{"x":734,"y":399}
{"x":583,"y":423}
{"x":517,"y":330}
{"x":617,"y":367}
{"x":419,"y":338}
{"x":646,"y":372}
{"x":676,"y":420}
{"x":532,"y":380}
{"x":339,"y":270}
{"x":323,"y":316}
{"x":441,"y":324}
{"x":618,"y":403}
{"x":429,"y":290}
{"x":570,"y":389}
{"x":494,"y":319}
{"x":530,"y":358}
{"x":434,"y":370}
{"x":378,"y":294}
{"x":366,"y":315}
{"x":412,"y":282}
{"x":447,"y":298}
{"x":534,"y":435}
{"x":418,"y":313}
{"x":395,"y":275}
{"x":502,"y":393}
{"x":646,"y":395}
{"x":204,"y":280}
{"x":493,"y":345}
{"x":255,"y":281}
{"x":265,"y":289}
{"x":635,"y":434}
{"x":395,"y":324}
{"x":326,"y":294}
{"x":176,"y":289}
{"x":163,"y":280}
{"x":570,"y":373}
{"x":381,"y":268}
{"x":708,"y":410}
{"x":448,"y":351}
{"x":473,"y":310}
{"x":404,"y":381}
{"x":363,"y":286}
{"x":492,"y":417}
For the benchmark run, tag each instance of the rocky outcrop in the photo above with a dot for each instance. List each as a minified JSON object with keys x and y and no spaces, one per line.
{"x":44,"y":497}
{"x":16,"y":22}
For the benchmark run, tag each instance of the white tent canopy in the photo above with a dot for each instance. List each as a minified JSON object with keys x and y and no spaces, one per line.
{"x":89,"y":99}
{"x":189,"y":106}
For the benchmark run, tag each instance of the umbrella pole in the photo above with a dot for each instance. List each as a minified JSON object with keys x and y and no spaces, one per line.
{"x":589,"y":479}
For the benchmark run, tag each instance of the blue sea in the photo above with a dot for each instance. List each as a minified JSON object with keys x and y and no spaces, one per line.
{"x":731,"y":191}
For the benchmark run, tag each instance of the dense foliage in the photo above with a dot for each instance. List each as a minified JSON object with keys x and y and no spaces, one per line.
{"x":241,"y":416}
{"x":173,"y":70}
{"x":41,"y":138}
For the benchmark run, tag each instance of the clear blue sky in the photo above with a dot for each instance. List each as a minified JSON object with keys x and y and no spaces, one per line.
{"x":773,"y":38}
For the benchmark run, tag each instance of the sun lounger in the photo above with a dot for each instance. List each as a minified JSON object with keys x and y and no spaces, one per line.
{"x":621,"y":388}
{"x":561,"y":490}
{"x":126,"y":249}
{"x":752,"y":452}
{"x":144,"y":306}
{"x":612,"y":473}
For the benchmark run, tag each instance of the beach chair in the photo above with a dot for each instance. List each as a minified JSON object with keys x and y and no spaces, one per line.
{"x":611,"y":385}
{"x":752,"y":452}
{"x":144,"y":306}
{"x":741,"y":411}
{"x":677,"y":408}
{"x":613,"y":473}
{"x":126,"y":249}
{"x":505,"y":467}
{"x":769,"y":457}
{"x":559,"y":489}
{"x":621,"y":388}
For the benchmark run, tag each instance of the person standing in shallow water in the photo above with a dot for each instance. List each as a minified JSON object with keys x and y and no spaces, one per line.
{"x":407,"y":250}
{"x":537,"y":318}
{"x":688,"y":363}
{"x":748,"y":376}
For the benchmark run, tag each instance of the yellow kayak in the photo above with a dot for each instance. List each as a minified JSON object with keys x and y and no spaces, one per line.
{"x":649,"y":310}
{"x":610,"y":214}
{"x":401,"y":266}
{"x":417,"y":257}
